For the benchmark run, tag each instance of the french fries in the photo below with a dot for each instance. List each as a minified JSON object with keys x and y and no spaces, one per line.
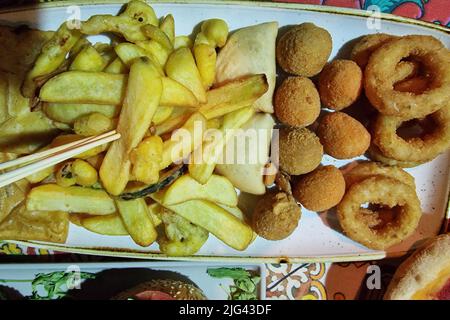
{"x":110,"y":224}
{"x":93,"y":124}
{"x":116,"y":66}
{"x":137,"y":221}
{"x":178,"y":148}
{"x":217,"y":189}
{"x":202,"y":168}
{"x":77,"y":87}
{"x":123,"y":25}
{"x":51,"y":197}
{"x":162,"y":114}
{"x":88,"y":60}
{"x":182,"y":42}
{"x":142,"y":98}
{"x":168,"y":27}
{"x":234,"y":95}
{"x":52,"y":56}
{"x":155,"y":50}
{"x":182,"y":68}
{"x":70,"y":112}
{"x":85,"y":87}
{"x":158,"y":35}
{"x":129,"y":52}
{"x":141,"y":12}
{"x":213,"y":218}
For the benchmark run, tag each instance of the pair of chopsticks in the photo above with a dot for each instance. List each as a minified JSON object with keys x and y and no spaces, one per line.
{"x":38,"y":161}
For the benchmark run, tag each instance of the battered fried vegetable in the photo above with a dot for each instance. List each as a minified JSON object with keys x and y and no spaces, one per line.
{"x":342,"y":136}
{"x":276,"y":216}
{"x":123,"y":25}
{"x":146,"y":159}
{"x":141,"y":12}
{"x":142,"y":98}
{"x":300,"y":150}
{"x":368,"y":169}
{"x":375,"y":154}
{"x":181,"y":237}
{"x":297,"y":102}
{"x":321,"y":189}
{"x":369,"y":226}
{"x":340,"y":84}
{"x":364,"y":48}
{"x":93,"y":124}
{"x":304,"y":49}
{"x":416,"y":149}
{"x":380,"y":77}
{"x":52,"y":56}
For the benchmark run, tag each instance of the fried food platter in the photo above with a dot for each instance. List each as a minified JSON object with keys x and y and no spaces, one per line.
{"x":319,"y":236}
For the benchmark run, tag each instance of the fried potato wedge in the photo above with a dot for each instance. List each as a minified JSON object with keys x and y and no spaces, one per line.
{"x":52,"y":56}
{"x":77,"y":87}
{"x":143,"y":95}
{"x":162,"y":114}
{"x":179,"y":146}
{"x":128,"y":52}
{"x":224,"y":225}
{"x":168,"y":27}
{"x":23,"y":224}
{"x":178,"y":117}
{"x":158,"y":35}
{"x":116,"y":66}
{"x":182,"y":68}
{"x":137,"y":221}
{"x":69,"y":112}
{"x":217,"y":189}
{"x":88,"y":59}
{"x":110,"y":224}
{"x":51,"y":197}
{"x":156,"y":50}
{"x":234,"y":95}
{"x":85,"y":87}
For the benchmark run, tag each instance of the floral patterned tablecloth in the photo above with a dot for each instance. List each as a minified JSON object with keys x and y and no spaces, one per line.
{"x":316,"y":281}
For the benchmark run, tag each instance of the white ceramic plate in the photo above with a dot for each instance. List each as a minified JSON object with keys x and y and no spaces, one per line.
{"x":318,"y":237}
{"x":111,"y":278}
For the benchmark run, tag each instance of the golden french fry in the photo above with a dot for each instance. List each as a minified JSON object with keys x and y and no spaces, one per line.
{"x":216,"y":31}
{"x":52,"y":56}
{"x":123,"y":25}
{"x":88,"y":60}
{"x":180,"y":146}
{"x":143,"y":95}
{"x":158,"y":35}
{"x":140,"y":11}
{"x":128,"y":52}
{"x":76,"y":87}
{"x":213,"y":218}
{"x":111,"y":225}
{"x":137,"y":221}
{"x":217,"y":189}
{"x":85,"y":87}
{"x":40,"y":175}
{"x":154,"y":210}
{"x":182,"y":68}
{"x":205,"y":57}
{"x":156,"y":50}
{"x":202,"y":168}
{"x":176,"y":120}
{"x":69,"y":112}
{"x":168,"y":27}
{"x":96,"y":161}
{"x":162,"y":114}
{"x":234,"y":95}
{"x":52,"y":197}
{"x":116,"y":66}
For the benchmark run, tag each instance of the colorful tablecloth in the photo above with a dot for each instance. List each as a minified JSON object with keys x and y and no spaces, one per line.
{"x":364,"y":280}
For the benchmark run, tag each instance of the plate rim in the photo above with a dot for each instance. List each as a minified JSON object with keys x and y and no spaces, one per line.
{"x":130,"y":253}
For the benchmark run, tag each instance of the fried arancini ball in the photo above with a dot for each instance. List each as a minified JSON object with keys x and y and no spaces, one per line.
{"x":363,"y":49}
{"x":342,"y":136}
{"x":340,"y":84}
{"x":297,"y":102}
{"x":304,"y":49}
{"x":321,"y":189}
{"x":275,"y":216}
{"x":300,"y":150}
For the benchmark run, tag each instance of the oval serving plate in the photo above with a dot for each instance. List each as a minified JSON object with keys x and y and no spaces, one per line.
{"x":318,"y":237}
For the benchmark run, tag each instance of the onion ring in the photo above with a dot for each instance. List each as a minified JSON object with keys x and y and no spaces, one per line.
{"x":375,"y":154}
{"x":367,"y":169}
{"x":417,"y":149}
{"x":380,"y":77}
{"x":382,"y":191}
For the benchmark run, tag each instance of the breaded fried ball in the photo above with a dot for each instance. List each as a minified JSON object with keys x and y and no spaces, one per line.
{"x":275,"y":216}
{"x":340,"y":84}
{"x":364,"y":48}
{"x":342,"y":136}
{"x":321,"y":189}
{"x":304,"y":49}
{"x":300,"y":150}
{"x":297,"y":102}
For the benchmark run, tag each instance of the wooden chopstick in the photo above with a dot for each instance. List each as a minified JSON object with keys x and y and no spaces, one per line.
{"x":20,"y":173}
{"x":49,"y":152}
